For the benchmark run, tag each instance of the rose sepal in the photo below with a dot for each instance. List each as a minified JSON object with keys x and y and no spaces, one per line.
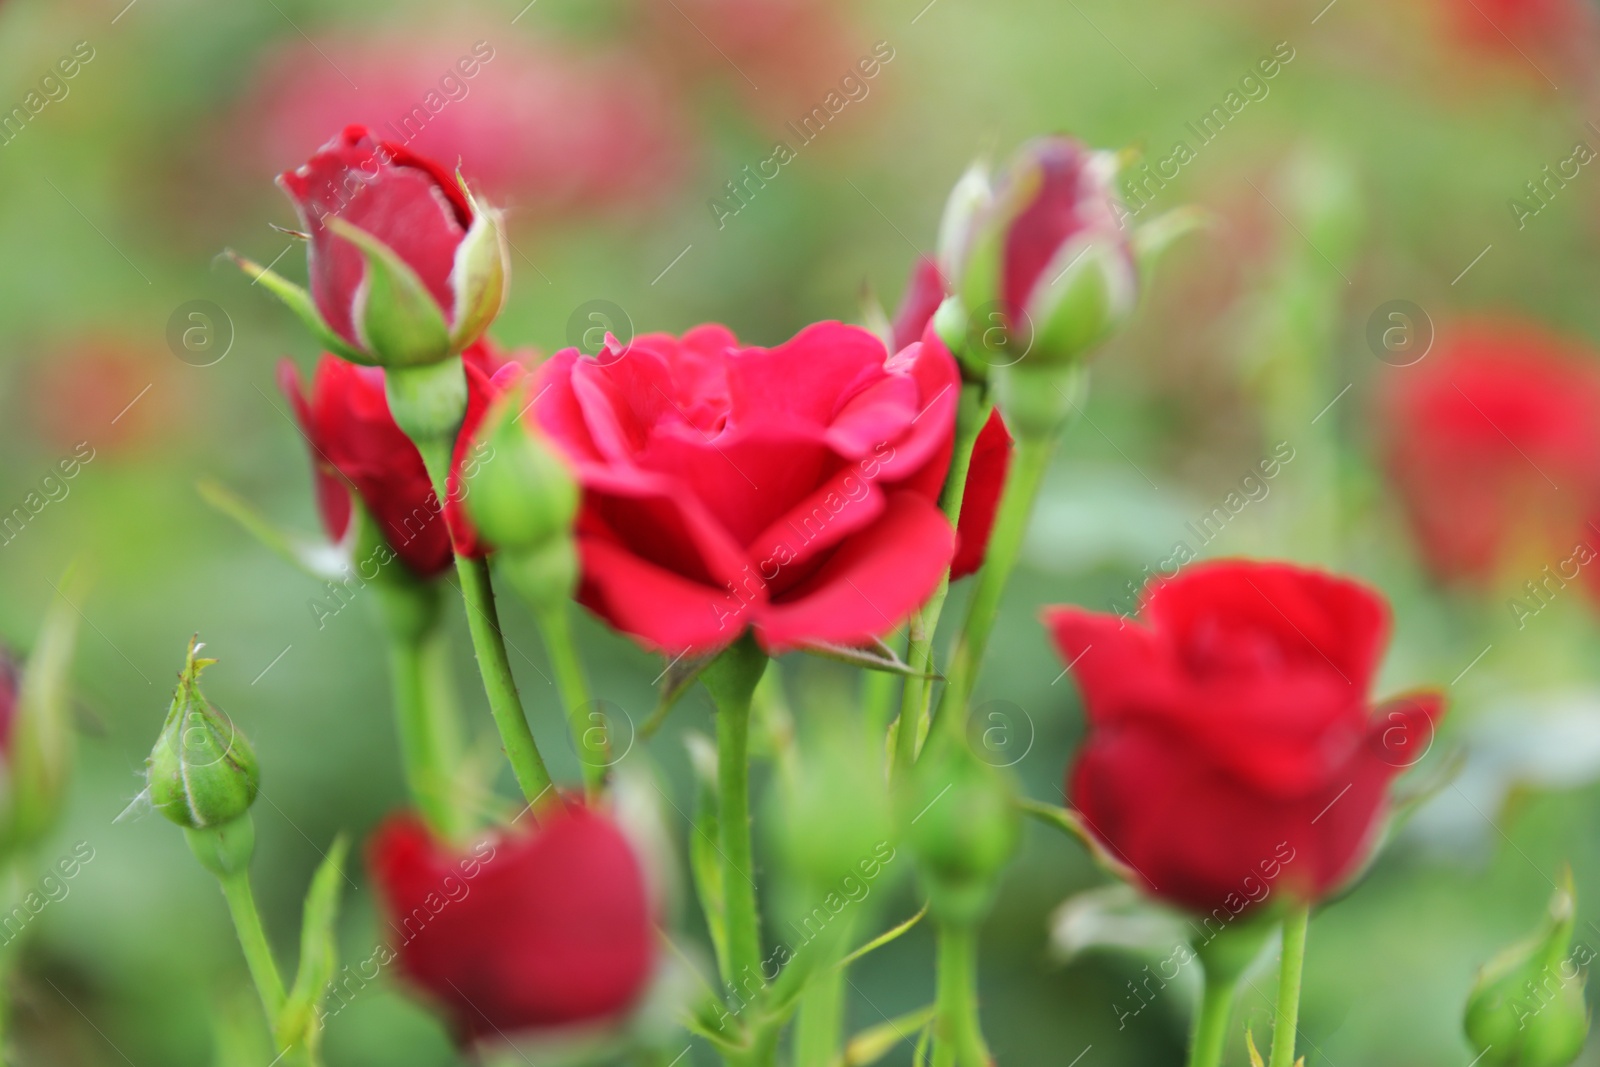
{"x":297,"y":300}
{"x":395,"y":316}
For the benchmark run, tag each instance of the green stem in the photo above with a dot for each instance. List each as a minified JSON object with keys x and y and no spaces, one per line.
{"x":555,"y":623}
{"x":1211,"y":1024}
{"x":1028,"y":467}
{"x":253,"y":939}
{"x":1289,"y":971}
{"x":429,"y":742}
{"x":958,"y":1038}
{"x":498,"y":683}
{"x":731,"y":679}
{"x":819,"y":1027}
{"x":971,"y":416}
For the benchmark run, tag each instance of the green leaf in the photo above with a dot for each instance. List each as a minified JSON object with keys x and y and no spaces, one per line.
{"x":676,"y":680}
{"x":396,"y":317}
{"x":299,"y":301}
{"x":872,"y":1045}
{"x":1152,"y":240}
{"x":705,"y":859}
{"x":481,"y":273}
{"x":319,"y":951}
{"x":1071,"y":823}
{"x":317,"y":558}
{"x":879,"y":657}
{"x":884,"y":938}
{"x":1115,"y":916}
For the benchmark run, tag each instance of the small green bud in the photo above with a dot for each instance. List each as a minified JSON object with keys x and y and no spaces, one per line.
{"x":202,"y":772}
{"x":1527,"y":1008}
{"x":959,"y":817}
{"x":523,"y":495}
{"x":833,"y":811}
{"x":1037,"y":400}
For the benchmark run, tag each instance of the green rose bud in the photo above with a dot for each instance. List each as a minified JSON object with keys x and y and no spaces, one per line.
{"x":202,"y":772}
{"x":833,"y":810}
{"x":1527,"y":1008}
{"x":523,"y":495}
{"x":958,"y":816}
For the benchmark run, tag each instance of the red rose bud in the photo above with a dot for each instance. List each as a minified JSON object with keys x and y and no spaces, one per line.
{"x":406,"y":267}
{"x":1233,"y":753}
{"x":1049,"y":253}
{"x":793,"y":489}
{"x":1478,"y":433}
{"x":202,"y":772}
{"x":1527,"y":1008}
{"x":355,"y":443}
{"x":524,"y":500}
{"x":543,"y":926}
{"x":958,"y":816}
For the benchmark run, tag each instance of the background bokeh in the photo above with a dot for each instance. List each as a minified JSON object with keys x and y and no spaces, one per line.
{"x":1377,"y":166}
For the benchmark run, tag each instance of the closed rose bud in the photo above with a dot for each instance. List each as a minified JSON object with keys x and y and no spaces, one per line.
{"x":1234,"y":754}
{"x":202,"y":772}
{"x":1527,"y":1008}
{"x":406,"y":267}
{"x":1049,"y":252}
{"x":958,"y":816}
{"x":541,"y":926}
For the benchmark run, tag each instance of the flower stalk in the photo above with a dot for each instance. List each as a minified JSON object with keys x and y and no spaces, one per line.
{"x":1287,"y":1018}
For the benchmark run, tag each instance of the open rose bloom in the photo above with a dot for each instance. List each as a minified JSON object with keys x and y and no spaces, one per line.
{"x":792,"y":490}
{"x":1234,"y":750}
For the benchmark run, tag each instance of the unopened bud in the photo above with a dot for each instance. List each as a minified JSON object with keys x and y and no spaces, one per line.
{"x":202,"y":772}
{"x":524,"y":495}
{"x":958,"y":816}
{"x":1527,"y":1008}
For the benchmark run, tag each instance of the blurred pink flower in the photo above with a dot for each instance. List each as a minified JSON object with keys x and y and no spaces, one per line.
{"x":780,"y":54}
{"x":103,"y":390}
{"x":1525,"y":33}
{"x":544,"y":128}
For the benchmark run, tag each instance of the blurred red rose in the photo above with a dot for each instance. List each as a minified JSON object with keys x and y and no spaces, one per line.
{"x":412,"y":204}
{"x":791,"y":489}
{"x":1494,"y":444}
{"x":1232,"y":748}
{"x":354,"y":442}
{"x":102,"y":390}
{"x":1552,"y":30}
{"x":542,"y":927}
{"x":991,"y":453}
{"x":549,"y":128}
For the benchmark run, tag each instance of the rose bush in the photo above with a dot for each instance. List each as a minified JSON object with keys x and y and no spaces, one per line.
{"x":1232,"y":742}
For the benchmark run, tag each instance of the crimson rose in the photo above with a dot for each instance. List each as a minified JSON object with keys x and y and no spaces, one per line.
{"x":1232,"y":746}
{"x":355,"y":443}
{"x":541,"y":927}
{"x":793,"y":489}
{"x":1494,"y":443}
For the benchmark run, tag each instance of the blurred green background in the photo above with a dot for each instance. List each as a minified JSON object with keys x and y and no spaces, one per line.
{"x":1376,"y":166}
